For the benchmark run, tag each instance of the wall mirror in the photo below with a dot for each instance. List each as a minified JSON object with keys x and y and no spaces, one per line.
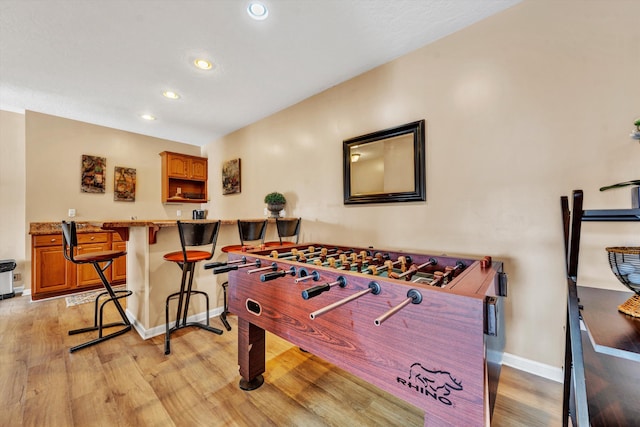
{"x":385,"y":166}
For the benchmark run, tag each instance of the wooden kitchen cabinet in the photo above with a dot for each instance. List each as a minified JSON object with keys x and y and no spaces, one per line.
{"x":184,"y":178}
{"x":91,"y":243}
{"x":52,"y":275}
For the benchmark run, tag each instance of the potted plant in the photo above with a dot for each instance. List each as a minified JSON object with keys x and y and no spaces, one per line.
{"x":275,"y":203}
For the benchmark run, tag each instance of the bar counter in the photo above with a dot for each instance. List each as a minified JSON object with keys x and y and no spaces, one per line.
{"x":150,"y":277}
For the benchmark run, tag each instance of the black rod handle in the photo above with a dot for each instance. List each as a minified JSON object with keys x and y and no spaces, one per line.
{"x":274,"y":275}
{"x":224,"y":269}
{"x":315,"y":291}
{"x":214,"y":265}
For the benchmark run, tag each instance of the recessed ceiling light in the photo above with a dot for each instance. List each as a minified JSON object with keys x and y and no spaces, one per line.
{"x":203,"y":64}
{"x":170,"y":94}
{"x":258,"y":11}
{"x":148,"y":117}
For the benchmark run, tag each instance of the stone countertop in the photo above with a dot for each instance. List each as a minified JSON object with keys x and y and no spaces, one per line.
{"x":96,"y":226}
{"x":40,"y":228}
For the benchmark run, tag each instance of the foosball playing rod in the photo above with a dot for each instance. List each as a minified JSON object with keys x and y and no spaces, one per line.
{"x":271,"y":276}
{"x":272,"y":267}
{"x":220,"y":264}
{"x":304,"y":275}
{"x":432,"y":261}
{"x":413,"y":296}
{"x":373,"y":288}
{"x":386,"y":265}
{"x":317,"y":290}
{"x":322,"y":254}
{"x":227,"y":268}
{"x":294,"y":252}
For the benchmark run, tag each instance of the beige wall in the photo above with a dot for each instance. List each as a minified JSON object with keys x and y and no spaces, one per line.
{"x":520,"y":109}
{"x":54,"y":149}
{"x":12,"y":190}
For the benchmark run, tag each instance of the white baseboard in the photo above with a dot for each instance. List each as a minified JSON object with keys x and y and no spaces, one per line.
{"x":536,"y":368}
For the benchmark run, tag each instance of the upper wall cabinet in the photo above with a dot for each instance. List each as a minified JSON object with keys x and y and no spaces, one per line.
{"x":184,"y":178}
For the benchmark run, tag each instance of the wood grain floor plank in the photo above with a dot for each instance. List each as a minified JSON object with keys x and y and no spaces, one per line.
{"x":128,"y":381}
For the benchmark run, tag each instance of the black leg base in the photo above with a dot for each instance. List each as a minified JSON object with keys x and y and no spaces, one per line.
{"x":167,"y":339}
{"x":99,"y":340}
{"x":252,"y":384}
{"x":223,"y":319}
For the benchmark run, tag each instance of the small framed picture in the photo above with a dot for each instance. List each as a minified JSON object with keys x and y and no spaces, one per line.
{"x":93,"y":174}
{"x":124,"y":184}
{"x":231,"y":176}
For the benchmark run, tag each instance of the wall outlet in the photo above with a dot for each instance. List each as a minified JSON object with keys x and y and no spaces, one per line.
{"x":72,"y":213}
{"x":178,"y":213}
{"x":17,"y":277}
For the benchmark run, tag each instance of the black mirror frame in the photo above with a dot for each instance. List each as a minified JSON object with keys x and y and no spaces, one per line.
{"x":419,"y":193}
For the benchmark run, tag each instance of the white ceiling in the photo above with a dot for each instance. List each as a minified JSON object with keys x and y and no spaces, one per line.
{"x":108,"y":61}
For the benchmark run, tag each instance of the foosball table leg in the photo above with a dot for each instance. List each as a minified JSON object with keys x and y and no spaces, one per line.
{"x":251,"y":354}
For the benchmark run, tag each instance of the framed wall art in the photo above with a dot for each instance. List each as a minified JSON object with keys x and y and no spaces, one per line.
{"x":124,"y":184}
{"x":231,"y":176}
{"x":93,"y":174}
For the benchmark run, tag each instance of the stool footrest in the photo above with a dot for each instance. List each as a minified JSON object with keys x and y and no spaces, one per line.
{"x":181,"y":316}
{"x":95,"y":328}
{"x":101,"y":339}
{"x":114,"y":296}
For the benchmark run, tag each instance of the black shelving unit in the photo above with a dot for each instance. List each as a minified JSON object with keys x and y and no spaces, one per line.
{"x":617,"y":371}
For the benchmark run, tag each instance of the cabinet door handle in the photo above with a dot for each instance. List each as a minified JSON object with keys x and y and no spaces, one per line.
{"x":93,"y":237}
{"x":53,"y":239}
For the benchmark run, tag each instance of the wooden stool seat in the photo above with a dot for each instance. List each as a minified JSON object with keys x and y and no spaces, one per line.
{"x":274,"y":244}
{"x":192,"y":256}
{"x":235,"y":248}
{"x":98,"y":256}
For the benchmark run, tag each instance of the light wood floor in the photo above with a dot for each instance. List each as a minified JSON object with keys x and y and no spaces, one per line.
{"x":130,"y":382}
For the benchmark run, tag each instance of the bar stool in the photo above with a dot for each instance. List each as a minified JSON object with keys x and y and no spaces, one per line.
{"x":249,"y":231}
{"x":192,"y":234}
{"x":287,"y":228}
{"x":69,"y":244}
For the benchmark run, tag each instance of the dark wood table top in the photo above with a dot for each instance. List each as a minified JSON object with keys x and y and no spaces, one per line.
{"x":610,"y":331}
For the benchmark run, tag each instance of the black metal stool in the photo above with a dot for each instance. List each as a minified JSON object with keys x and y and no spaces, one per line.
{"x":192,"y":233}
{"x":69,"y":243}
{"x":287,"y":228}
{"x":248,"y":231}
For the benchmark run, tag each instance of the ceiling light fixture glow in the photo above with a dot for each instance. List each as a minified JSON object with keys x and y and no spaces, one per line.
{"x":257,"y":11}
{"x":148,"y":117}
{"x":170,"y":94}
{"x":203,"y":64}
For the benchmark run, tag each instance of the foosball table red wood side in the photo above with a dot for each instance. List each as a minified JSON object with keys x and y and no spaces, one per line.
{"x":431,"y":354}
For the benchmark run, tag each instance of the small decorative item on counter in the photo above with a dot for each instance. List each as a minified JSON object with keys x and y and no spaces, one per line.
{"x":635,"y":191}
{"x":625,"y":265}
{"x":275,"y":203}
{"x":636,"y":133}
{"x":621,"y":184}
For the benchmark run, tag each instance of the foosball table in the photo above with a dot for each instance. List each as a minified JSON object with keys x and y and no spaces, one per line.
{"x":419,"y":326}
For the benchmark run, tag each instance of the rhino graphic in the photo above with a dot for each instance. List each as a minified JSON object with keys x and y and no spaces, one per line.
{"x":434,"y":383}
